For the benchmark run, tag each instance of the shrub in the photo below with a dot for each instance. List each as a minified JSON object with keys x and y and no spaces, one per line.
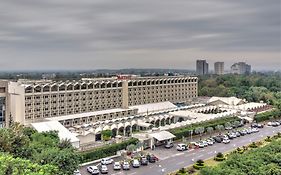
{"x":182,"y":170}
{"x":198,"y":167}
{"x":185,"y":131}
{"x":199,"y":164}
{"x":105,"y":151}
{"x":253,"y":145}
{"x":268,"y":139}
{"x":268,"y":115}
{"x":240,"y":151}
{"x":219,"y":157}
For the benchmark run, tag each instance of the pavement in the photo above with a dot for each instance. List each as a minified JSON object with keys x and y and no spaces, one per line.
{"x":171,"y":160}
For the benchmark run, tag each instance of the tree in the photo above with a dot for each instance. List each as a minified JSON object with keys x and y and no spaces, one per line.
{"x":10,"y":166}
{"x":106,"y":134}
{"x":131,"y":148}
{"x":236,"y":124}
{"x":228,"y":124}
{"x":210,"y":130}
{"x":219,"y":128}
{"x":65,"y":144}
{"x":199,"y":130}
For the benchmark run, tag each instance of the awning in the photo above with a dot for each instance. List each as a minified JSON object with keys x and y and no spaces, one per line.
{"x":162,"y":135}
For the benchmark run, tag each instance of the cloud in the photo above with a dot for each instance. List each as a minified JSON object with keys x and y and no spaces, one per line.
{"x":94,"y":31}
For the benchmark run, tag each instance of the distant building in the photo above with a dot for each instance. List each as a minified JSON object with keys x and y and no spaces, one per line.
{"x":241,"y":68}
{"x":219,"y":68}
{"x":202,"y":67}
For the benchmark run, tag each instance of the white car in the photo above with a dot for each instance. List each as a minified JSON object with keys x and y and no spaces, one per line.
{"x":117,"y":166}
{"x":136,"y":163}
{"x":255,"y":130}
{"x":106,"y":161}
{"x":201,"y":145}
{"x":205,"y":143}
{"x":103,"y":169}
{"x":269,"y":123}
{"x":93,"y":170}
{"x":126,"y":165}
{"x":76,"y":172}
{"x":181,"y":147}
{"x":225,"y":141}
{"x":210,"y":142}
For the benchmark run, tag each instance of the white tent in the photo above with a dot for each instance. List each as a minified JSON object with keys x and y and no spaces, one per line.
{"x":57,"y":126}
{"x":162,"y":135}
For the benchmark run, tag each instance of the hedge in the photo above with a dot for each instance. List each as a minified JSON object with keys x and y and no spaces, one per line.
{"x":268,"y":115}
{"x":185,"y":131}
{"x":219,"y":159}
{"x":198,"y":167}
{"x":106,"y":151}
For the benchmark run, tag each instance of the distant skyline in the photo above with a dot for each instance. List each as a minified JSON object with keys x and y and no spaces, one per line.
{"x":111,"y":34}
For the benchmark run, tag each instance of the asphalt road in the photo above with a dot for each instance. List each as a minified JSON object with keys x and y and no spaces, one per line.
{"x":172,"y":160}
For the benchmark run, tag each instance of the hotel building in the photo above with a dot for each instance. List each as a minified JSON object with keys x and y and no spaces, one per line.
{"x":88,"y":100}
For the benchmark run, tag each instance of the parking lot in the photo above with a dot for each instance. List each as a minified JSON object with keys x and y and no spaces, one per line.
{"x":171,"y":159}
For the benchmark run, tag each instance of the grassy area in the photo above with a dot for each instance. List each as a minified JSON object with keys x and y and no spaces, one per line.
{"x":212,"y":163}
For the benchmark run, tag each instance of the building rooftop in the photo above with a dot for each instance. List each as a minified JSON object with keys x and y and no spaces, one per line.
{"x":153,"y":107}
{"x":56,"y":126}
{"x":87,"y":114}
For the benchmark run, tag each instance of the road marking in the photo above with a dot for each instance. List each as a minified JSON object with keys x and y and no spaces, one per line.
{"x":132,"y":173}
{"x":180,"y":163}
{"x":210,"y":152}
{"x":200,"y":156}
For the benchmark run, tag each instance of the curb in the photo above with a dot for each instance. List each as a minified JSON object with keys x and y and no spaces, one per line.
{"x":96,"y":161}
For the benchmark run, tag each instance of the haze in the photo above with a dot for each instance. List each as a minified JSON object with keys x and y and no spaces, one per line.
{"x":95,"y":34}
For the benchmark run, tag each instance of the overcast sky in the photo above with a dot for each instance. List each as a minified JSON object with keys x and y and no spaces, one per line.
{"x":95,"y":34}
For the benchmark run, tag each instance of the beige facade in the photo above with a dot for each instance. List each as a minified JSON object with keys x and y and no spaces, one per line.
{"x":31,"y":101}
{"x":219,"y":68}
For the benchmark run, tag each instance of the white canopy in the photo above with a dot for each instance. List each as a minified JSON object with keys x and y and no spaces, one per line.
{"x":57,"y":126}
{"x":162,"y":135}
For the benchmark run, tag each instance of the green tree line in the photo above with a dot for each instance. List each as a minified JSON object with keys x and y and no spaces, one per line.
{"x":254,"y":88}
{"x":264,"y":160}
{"x":40,"y":148}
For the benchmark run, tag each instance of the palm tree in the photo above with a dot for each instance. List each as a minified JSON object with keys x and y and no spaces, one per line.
{"x":236,"y":124}
{"x":219,"y":128}
{"x":199,"y":130}
{"x":210,"y":130}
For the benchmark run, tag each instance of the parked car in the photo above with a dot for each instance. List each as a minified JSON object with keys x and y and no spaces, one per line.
{"x":136,"y":163}
{"x":217,"y":139}
{"x":169,"y":145}
{"x":126,"y":165}
{"x":152,"y":159}
{"x":201,"y":145}
{"x":231,"y":135}
{"x":228,"y":128}
{"x":254,"y":125}
{"x":106,"y":161}
{"x":210,"y":142}
{"x":243,"y":132}
{"x":237,"y":134}
{"x":205,"y":143}
{"x":117,"y":166}
{"x":225,"y":141}
{"x":249,"y":131}
{"x":181,"y":147}
{"x":144,"y":161}
{"x":270,"y":123}
{"x":260,"y":125}
{"x":103,"y":169}
{"x":255,"y":130}
{"x":76,"y":172}
{"x":93,"y":170}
